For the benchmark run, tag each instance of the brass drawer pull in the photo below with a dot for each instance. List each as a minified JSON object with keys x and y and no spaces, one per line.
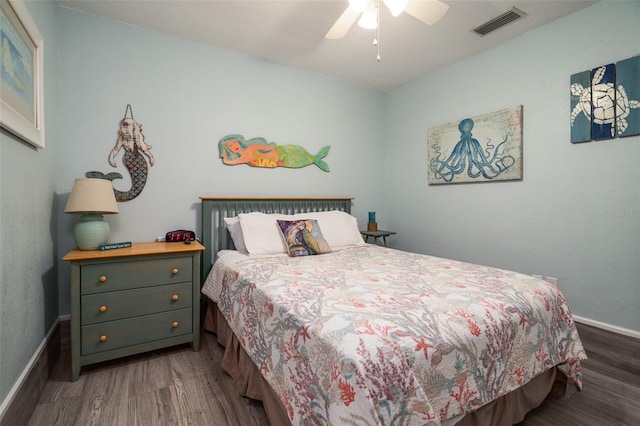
{"x":175,"y":324}
{"x":103,"y":309}
{"x":103,"y":338}
{"x":175,"y":297}
{"x":103,"y":279}
{"x":175,"y":271}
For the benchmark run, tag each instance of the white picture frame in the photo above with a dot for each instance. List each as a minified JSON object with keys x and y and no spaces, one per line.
{"x":21,"y":76}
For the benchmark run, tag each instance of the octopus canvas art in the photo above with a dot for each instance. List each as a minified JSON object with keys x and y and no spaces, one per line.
{"x":480,"y":149}
{"x":257,"y":152}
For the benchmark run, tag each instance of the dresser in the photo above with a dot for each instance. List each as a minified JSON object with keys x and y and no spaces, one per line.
{"x":131,"y":300}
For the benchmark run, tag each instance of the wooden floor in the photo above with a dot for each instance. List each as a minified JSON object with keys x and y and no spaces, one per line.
{"x":611,"y":385}
{"x":174,"y":386}
{"x":177,"y":386}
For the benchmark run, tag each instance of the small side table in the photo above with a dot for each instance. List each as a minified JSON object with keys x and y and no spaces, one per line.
{"x":375,"y":235}
{"x":132,"y":300}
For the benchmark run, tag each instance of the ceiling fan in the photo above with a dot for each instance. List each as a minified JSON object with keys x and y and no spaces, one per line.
{"x":427,"y":11}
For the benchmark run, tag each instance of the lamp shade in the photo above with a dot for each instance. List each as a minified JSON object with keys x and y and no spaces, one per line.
{"x":92,"y":196}
{"x":396,"y":6}
{"x":358,"y":5}
{"x":369,"y":18}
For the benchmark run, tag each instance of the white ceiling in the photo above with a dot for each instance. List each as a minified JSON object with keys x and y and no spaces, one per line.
{"x":291,"y":32}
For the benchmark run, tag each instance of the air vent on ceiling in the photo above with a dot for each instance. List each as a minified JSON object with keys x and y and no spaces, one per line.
{"x":499,"y":21}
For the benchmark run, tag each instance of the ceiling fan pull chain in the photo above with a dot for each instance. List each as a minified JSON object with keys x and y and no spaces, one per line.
{"x":376,"y":41}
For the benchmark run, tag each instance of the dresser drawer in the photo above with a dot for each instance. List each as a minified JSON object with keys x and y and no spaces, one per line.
{"x":121,"y":275}
{"x":133,"y":331}
{"x":100,"y":307}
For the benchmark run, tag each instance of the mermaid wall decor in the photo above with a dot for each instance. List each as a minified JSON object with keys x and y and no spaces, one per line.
{"x":486,"y":148}
{"x":257,"y":152}
{"x":130,"y":138}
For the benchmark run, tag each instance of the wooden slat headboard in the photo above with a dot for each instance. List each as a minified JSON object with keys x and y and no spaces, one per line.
{"x":214,"y":209}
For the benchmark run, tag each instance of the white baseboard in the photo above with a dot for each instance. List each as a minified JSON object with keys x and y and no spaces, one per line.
{"x":608,"y":327}
{"x":27,"y":369}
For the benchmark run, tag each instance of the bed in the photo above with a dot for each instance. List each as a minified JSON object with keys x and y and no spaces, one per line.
{"x":361,"y":334}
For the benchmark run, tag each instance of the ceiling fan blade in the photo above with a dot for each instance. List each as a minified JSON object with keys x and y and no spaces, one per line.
{"x":429,"y":11}
{"x":343,"y":24}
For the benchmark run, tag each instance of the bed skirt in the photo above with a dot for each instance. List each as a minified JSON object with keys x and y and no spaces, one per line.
{"x":505,"y":411}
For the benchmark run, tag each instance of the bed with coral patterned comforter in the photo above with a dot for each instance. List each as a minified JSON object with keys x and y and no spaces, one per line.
{"x":370,"y":335}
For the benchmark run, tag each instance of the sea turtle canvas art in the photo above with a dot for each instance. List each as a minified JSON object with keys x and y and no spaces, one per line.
{"x":611,"y":108}
{"x":580,"y":98}
{"x":628,"y":112}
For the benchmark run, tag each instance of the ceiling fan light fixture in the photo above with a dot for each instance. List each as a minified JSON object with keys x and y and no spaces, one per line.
{"x":396,"y":7}
{"x":369,"y":18}
{"x":358,"y":5}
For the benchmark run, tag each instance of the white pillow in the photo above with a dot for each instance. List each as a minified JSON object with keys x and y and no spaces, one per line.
{"x":338,"y":228}
{"x":235,"y":230}
{"x":261,"y":232}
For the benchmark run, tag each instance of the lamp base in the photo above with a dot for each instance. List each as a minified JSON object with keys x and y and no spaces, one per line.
{"x":91,"y":231}
{"x":372,"y":226}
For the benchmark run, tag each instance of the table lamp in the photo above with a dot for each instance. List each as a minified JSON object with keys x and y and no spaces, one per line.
{"x":91,"y":198}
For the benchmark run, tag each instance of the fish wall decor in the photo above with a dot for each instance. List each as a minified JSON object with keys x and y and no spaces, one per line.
{"x":257,"y":152}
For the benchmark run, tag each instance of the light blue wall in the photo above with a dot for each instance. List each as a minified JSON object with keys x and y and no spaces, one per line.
{"x":28,"y":282}
{"x":575,"y":215}
{"x":558,"y":221}
{"x":187,"y":96}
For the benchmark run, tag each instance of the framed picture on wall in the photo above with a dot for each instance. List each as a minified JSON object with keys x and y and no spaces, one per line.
{"x":485,"y":148}
{"x":21,"y":73}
